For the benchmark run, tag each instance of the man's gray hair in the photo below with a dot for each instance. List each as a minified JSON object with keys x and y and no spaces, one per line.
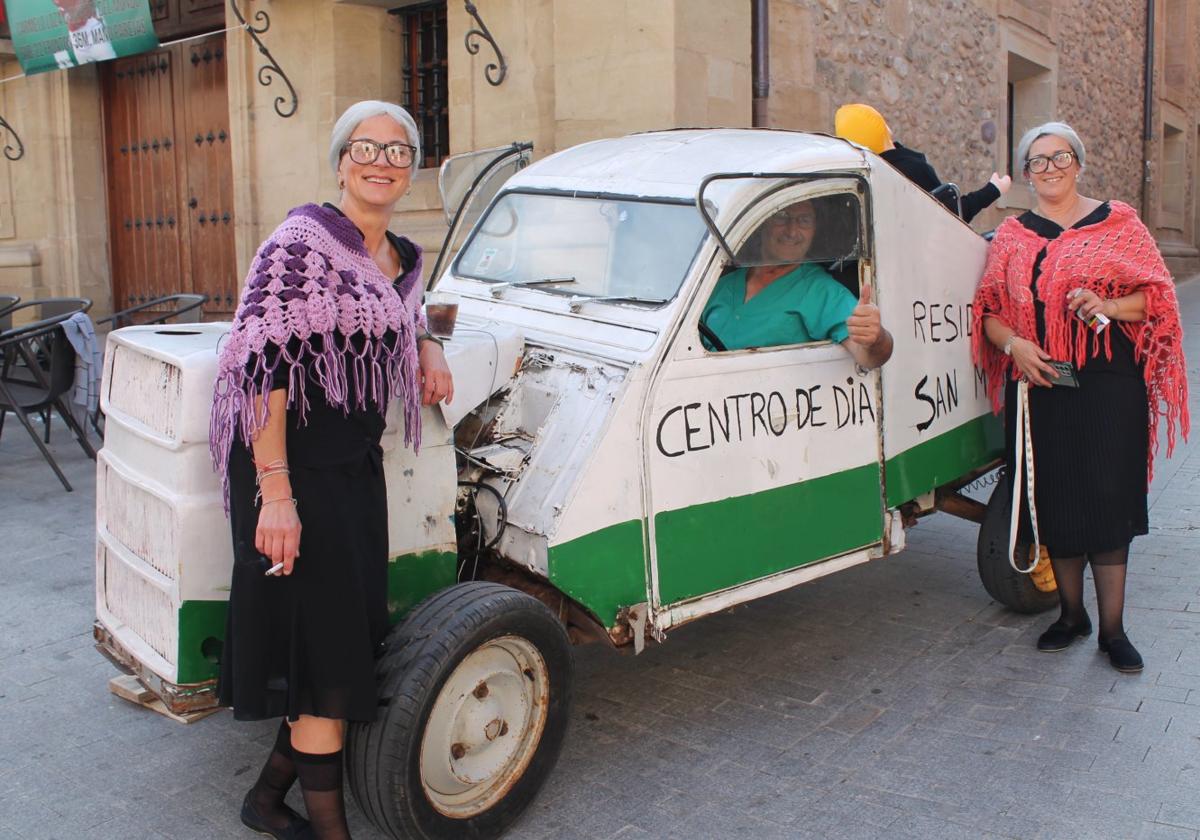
{"x":364,"y":110}
{"x":1050,"y":129}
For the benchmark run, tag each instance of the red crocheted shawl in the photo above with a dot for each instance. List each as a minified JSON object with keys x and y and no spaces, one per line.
{"x":1113,"y":258}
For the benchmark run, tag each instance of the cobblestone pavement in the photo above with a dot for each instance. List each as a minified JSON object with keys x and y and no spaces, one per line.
{"x":892,"y":700}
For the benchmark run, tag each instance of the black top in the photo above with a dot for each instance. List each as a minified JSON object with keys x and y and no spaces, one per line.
{"x":1122,"y":348}
{"x":915,"y":167}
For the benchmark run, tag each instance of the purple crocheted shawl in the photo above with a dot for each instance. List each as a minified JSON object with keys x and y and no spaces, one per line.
{"x":313,"y":278}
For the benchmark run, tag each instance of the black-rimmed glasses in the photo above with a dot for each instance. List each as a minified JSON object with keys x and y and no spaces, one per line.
{"x":1061,"y":160}
{"x":365,"y":152}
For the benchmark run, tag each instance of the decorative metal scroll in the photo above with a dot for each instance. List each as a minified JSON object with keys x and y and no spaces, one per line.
{"x":10,"y":152}
{"x":269,"y":71}
{"x":494,"y":72}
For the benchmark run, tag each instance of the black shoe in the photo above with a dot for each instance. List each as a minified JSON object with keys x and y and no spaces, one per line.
{"x":1122,"y":654}
{"x":1060,"y":635}
{"x":296,"y":828}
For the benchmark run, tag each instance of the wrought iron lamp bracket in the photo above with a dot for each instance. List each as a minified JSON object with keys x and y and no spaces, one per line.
{"x":495,"y":71}
{"x":9,"y":151}
{"x":271,"y":70}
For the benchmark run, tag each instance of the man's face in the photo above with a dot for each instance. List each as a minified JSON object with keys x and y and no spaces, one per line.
{"x":788,"y":234}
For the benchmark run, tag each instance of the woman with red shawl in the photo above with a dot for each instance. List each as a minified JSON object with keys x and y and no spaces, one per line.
{"x":1050,"y":273}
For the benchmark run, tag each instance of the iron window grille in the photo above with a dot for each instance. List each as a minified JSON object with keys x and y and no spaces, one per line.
{"x":426,"y":78}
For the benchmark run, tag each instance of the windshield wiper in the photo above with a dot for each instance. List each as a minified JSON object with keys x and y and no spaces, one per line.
{"x":577,"y":303}
{"x":498,"y":288}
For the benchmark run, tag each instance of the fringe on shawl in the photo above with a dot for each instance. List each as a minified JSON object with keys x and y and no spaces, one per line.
{"x":377,"y":374}
{"x":1112,"y":271}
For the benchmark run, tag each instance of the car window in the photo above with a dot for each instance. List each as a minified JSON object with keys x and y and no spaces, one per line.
{"x":584,"y":246}
{"x":800,"y":268}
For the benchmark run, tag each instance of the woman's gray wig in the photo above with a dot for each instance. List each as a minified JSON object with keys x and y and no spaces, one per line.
{"x":1050,"y":129}
{"x":364,"y":110}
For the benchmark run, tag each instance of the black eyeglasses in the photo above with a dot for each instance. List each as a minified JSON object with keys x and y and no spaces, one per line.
{"x":1041,"y":163}
{"x":364,"y":152}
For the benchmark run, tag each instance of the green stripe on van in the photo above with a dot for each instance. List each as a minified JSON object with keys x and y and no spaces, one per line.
{"x":942,"y":459}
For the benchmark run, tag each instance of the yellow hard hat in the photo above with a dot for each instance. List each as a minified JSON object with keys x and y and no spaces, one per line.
{"x":863,"y":125}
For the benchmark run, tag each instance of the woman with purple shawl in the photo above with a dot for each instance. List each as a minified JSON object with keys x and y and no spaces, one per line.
{"x":328,"y":332}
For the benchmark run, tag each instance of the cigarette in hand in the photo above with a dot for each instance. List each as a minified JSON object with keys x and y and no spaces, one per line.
{"x":276,"y":569}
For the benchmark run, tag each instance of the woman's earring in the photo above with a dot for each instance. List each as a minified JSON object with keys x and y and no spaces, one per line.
{"x":341,"y":185}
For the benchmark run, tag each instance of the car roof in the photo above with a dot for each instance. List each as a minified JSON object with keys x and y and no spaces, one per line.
{"x":672,"y":164}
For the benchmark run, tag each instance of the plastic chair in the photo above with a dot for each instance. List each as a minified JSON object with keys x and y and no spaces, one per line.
{"x":50,"y":384}
{"x":189,"y":310}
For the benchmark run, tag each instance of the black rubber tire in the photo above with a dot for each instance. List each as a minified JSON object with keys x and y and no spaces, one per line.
{"x":1011,"y":588}
{"x":383,"y":757}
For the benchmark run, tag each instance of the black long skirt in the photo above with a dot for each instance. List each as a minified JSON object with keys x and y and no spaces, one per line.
{"x":1091,"y":449}
{"x":306,"y":644}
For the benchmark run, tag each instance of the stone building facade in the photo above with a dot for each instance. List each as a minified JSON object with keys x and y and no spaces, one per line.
{"x":956,"y":78}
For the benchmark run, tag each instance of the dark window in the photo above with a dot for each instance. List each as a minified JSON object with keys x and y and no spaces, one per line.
{"x":426,"y":84}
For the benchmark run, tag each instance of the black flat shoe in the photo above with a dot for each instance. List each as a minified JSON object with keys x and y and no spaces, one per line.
{"x":1122,"y":654}
{"x":1060,"y":635}
{"x":296,"y":828}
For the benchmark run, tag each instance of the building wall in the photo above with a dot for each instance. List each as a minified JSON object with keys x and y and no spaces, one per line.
{"x":578,"y":71}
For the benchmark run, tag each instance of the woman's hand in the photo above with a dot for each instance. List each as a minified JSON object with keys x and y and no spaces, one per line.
{"x":1032,"y":360}
{"x":437,"y":383}
{"x":278,"y":534}
{"x":1088,"y":303}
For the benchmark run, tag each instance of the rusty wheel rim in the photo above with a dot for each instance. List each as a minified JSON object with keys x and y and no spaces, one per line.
{"x":485,"y":727}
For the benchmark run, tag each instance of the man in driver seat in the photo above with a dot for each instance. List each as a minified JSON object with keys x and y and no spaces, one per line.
{"x":785,"y":300}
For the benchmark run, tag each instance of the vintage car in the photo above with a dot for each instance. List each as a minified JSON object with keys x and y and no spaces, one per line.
{"x":606,"y":472}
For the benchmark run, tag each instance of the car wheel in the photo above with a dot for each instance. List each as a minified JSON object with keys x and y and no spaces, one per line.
{"x":474,"y":691}
{"x":1023,"y":593}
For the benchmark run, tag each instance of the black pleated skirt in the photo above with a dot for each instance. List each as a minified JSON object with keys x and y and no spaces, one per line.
{"x":306,"y":644}
{"x":1091,"y":450}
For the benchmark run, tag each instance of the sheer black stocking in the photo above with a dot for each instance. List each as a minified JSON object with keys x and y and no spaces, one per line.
{"x":1068,"y":575}
{"x":321,"y":781}
{"x":275,"y":780}
{"x":1108,"y":570}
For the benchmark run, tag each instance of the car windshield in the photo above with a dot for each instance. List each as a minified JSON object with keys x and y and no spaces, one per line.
{"x":584,"y":247}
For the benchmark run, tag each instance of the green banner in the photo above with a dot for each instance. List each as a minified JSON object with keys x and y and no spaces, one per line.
{"x":59,"y":34}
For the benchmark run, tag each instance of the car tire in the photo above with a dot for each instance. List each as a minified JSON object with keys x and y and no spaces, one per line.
{"x":1015,"y":590}
{"x":474,"y":694}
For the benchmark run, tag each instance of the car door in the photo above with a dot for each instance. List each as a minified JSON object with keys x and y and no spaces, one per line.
{"x":763,"y":461}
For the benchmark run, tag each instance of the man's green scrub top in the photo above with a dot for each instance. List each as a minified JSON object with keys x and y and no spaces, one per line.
{"x":806,"y":304}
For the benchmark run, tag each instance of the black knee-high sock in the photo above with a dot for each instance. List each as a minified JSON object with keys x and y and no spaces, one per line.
{"x":275,"y":780}
{"x":1108,"y":570}
{"x":1068,"y":575}
{"x":321,"y":780}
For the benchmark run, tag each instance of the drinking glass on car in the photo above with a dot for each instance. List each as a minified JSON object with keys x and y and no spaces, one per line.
{"x":441,"y":311}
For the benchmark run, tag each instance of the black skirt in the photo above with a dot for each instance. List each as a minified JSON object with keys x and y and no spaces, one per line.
{"x":1090,"y":449}
{"x":306,"y":644}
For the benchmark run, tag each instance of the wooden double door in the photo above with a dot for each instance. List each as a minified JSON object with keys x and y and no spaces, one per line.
{"x":170,"y":175}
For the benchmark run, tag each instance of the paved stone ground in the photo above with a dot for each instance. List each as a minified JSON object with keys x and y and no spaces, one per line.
{"x":892,"y":700}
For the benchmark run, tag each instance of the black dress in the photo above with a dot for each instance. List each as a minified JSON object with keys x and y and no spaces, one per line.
{"x":1091,"y":443}
{"x":306,"y":644}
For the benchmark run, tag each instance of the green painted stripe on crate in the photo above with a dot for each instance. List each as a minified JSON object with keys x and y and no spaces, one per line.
{"x":713,"y":546}
{"x":942,"y":459}
{"x":201,"y":636}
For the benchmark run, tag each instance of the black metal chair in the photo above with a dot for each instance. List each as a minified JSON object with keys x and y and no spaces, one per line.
{"x":7,"y":302}
{"x":53,"y":376}
{"x":29,"y":366}
{"x":188,"y":310}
